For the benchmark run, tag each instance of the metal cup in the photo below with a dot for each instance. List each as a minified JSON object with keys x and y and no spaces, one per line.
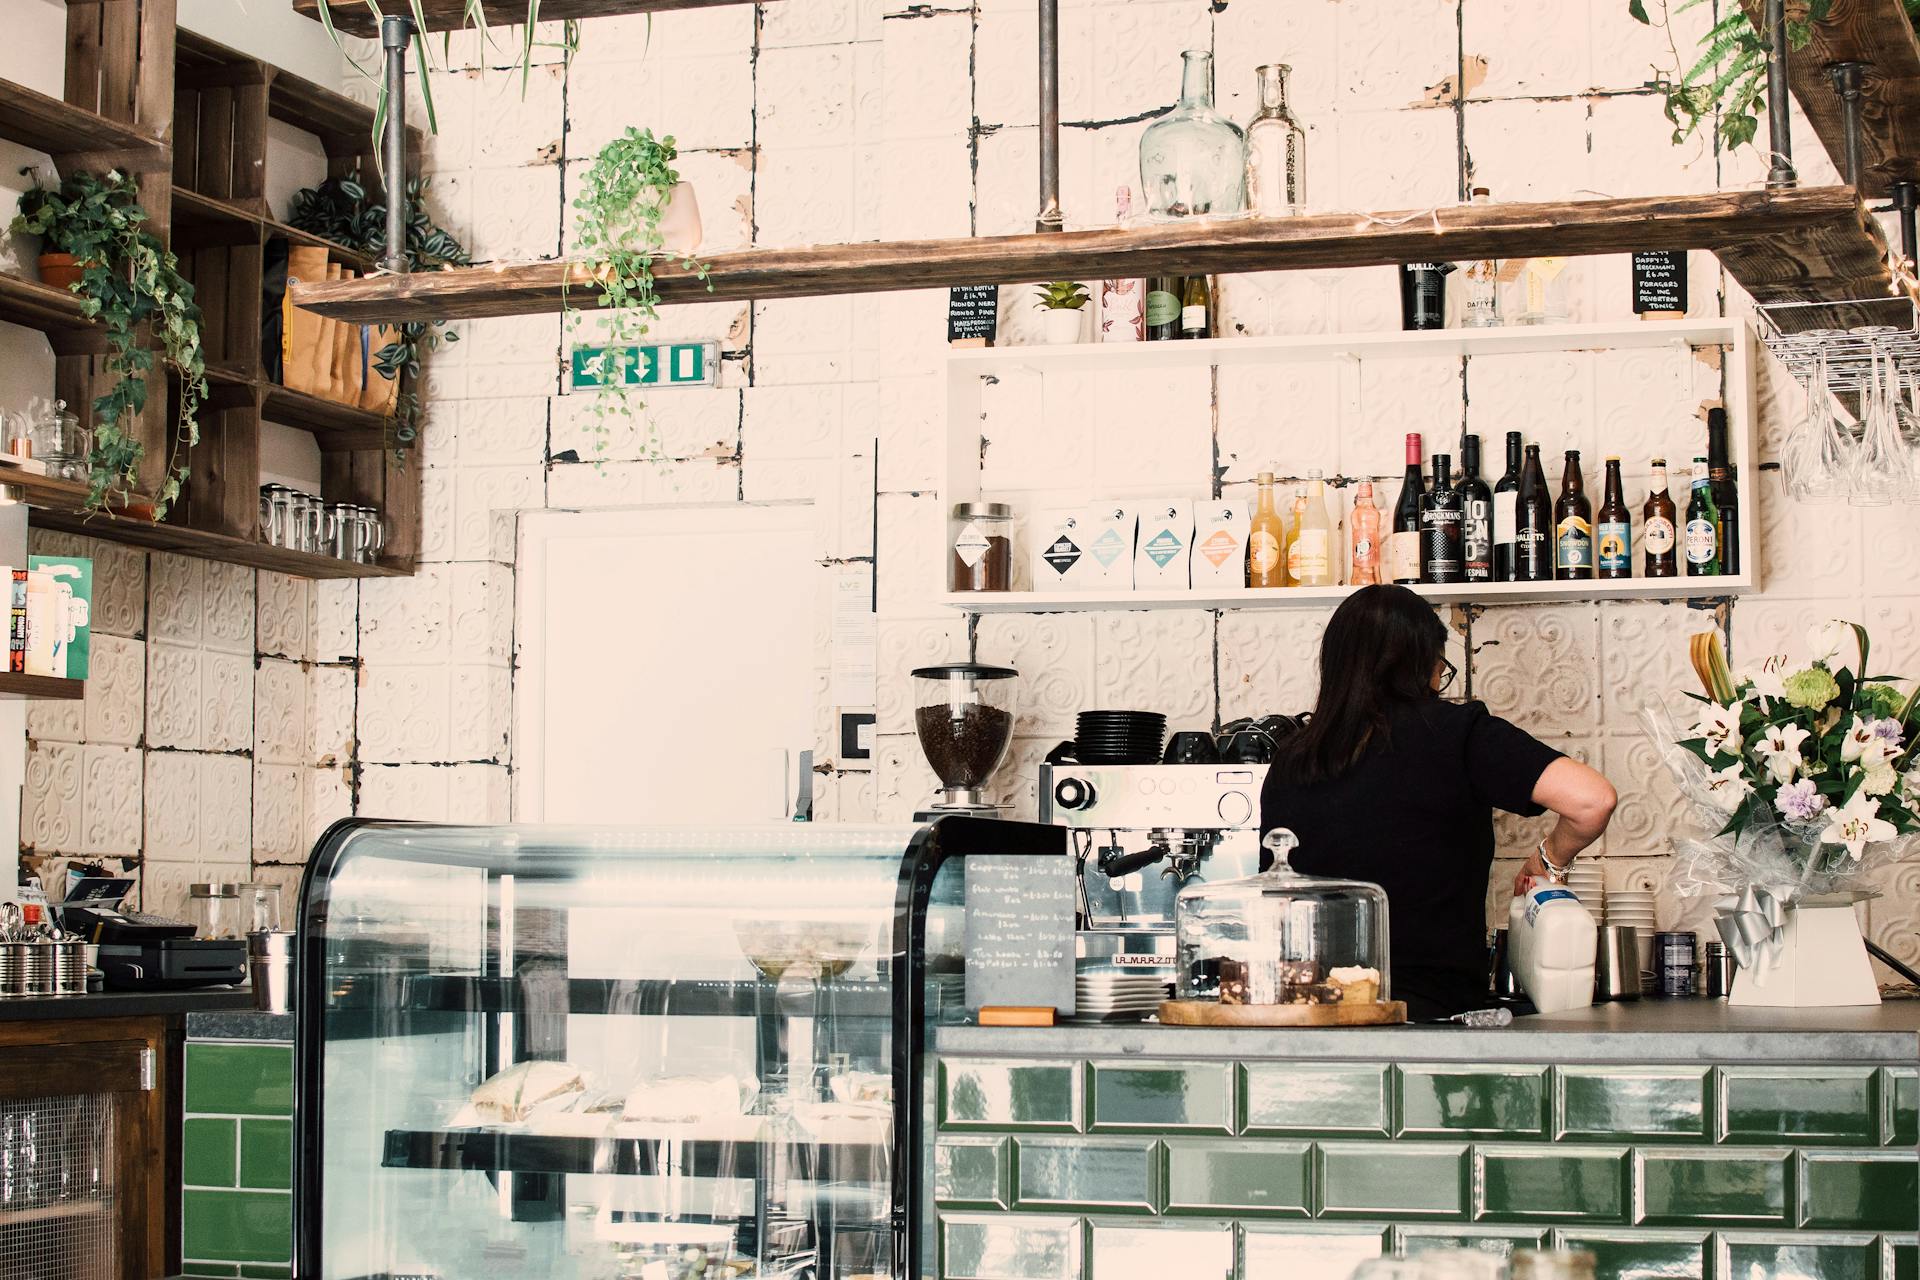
{"x":13,"y":969}
{"x":40,"y":969}
{"x":1616,"y":967}
{"x":270,"y":966}
{"x":1505,"y":984}
{"x":69,"y":967}
{"x":1717,"y":982}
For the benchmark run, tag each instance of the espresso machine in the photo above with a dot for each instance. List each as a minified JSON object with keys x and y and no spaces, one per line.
{"x":1141,"y":834}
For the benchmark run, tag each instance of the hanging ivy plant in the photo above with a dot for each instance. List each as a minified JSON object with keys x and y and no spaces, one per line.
{"x":342,"y":210}
{"x":1728,"y":76}
{"x":623,"y":196}
{"x":132,"y":285}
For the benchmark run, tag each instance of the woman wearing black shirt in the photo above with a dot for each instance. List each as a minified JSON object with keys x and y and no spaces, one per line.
{"x":1392,"y":784}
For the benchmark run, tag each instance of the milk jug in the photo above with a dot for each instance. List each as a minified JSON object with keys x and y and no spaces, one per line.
{"x":1550,"y":944}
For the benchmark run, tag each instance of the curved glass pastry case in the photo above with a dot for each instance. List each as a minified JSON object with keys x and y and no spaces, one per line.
{"x":623,"y":1054}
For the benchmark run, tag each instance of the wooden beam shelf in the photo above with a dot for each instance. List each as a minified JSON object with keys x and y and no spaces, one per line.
{"x":54,"y":312}
{"x":75,"y":136}
{"x":1879,"y":33}
{"x":15,"y":684}
{"x":200,"y":221}
{"x":354,"y":17}
{"x":344,"y":126}
{"x":1812,"y":244}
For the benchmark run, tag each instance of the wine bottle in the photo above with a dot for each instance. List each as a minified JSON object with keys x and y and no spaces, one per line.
{"x":1572,"y":525}
{"x":1703,"y":525}
{"x":1533,"y":536}
{"x":1506,"y":512}
{"x":1440,"y":533}
{"x":1266,"y":540}
{"x":1163,"y":307}
{"x":1403,"y":550}
{"x":1476,"y":515}
{"x":1726,"y":498}
{"x":1658,"y":535}
{"x":1364,"y":527}
{"x":1196,"y":308}
{"x":1613,"y":529}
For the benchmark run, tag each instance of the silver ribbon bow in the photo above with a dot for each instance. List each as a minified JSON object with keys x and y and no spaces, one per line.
{"x":1753,"y":924}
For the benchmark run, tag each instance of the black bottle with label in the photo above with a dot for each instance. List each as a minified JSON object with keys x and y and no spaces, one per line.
{"x":1533,"y":526}
{"x":1440,"y":520}
{"x":1163,"y":307}
{"x":1476,"y":515}
{"x":1506,"y":513}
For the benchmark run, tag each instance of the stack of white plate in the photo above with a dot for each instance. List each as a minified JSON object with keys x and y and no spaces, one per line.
{"x":1116,"y":995}
{"x":1633,"y":908}
{"x":1589,"y":884}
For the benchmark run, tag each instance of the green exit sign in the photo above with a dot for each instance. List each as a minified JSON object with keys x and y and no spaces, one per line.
{"x":666,"y":364}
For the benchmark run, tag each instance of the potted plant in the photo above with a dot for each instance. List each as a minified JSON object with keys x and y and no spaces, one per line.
{"x":131,"y":284}
{"x":1061,"y":304}
{"x":632,"y":209}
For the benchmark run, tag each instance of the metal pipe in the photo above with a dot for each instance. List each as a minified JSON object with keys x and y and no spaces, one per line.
{"x":1779,"y":99}
{"x":395,"y":33}
{"x":1050,"y":218}
{"x":1904,"y":194}
{"x":1847,"y":78}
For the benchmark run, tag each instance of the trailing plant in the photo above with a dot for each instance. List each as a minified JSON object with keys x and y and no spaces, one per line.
{"x":623,"y":196}
{"x":131,"y":284}
{"x":343,"y":211}
{"x":1728,"y":76}
{"x":1062,"y":295}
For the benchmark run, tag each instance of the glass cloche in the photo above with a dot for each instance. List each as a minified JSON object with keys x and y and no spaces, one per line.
{"x":1283,"y":938}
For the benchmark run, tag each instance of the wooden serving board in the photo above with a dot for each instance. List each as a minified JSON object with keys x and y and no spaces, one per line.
{"x":1207,"y":1013}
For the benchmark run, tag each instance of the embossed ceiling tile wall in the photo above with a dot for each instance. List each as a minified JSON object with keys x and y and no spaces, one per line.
{"x":405,"y":714}
{"x":1036,"y":432}
{"x":436,"y":517}
{"x":723,"y":181}
{"x":1505,"y":393}
{"x":1304,"y":35}
{"x":1270,"y":662}
{"x":1153,"y":433}
{"x":1054,"y":654}
{"x":1624,"y":49}
{"x":793,"y":421}
{"x":119,"y":587}
{"x":583,"y":486}
{"x":284,"y":621}
{"x":228,"y":621}
{"x":1385,"y":161}
{"x":805,"y":195}
{"x":902,"y":781}
{"x":1893,"y":918}
{"x":59,"y":719}
{"x":336,"y":626}
{"x":1539,"y":666}
{"x":1156,"y":662}
{"x":911,"y":570}
{"x":690,"y":483}
{"x":112,"y":785}
{"x":518,"y":120}
{"x":481,"y":713}
{"x":279,"y":825}
{"x":1629,"y":153}
{"x":807,"y":22}
{"x":1262,"y":303}
{"x":789,"y":480}
{"x":179,"y":598}
{"x":1893,"y":625}
{"x":115,"y":705}
{"x":480,"y":613}
{"x":226,"y":808}
{"x":925,"y":80}
{"x":504,"y":430}
{"x":512,"y":214}
{"x":175,"y":707}
{"x":163,"y":887}
{"x":1781,"y":405}
{"x":1652,"y":812}
{"x":226,"y":691}
{"x":1396,"y":397}
{"x":1529,"y":48}
{"x":1763,"y":626}
{"x":1287,"y":418}
{"x":330,"y":715}
{"x":279,"y":713}
{"x":1392,"y":52}
{"x":478,"y":792}
{"x":1889,"y":550}
{"x":1516,"y":836}
{"x":1006,"y":195}
{"x":1642,"y":409}
{"x":172,"y":806}
{"x":1644,"y":661}
{"x":928,"y":188}
{"x":1006,"y":51}
{"x":406,"y":619}
{"x":404,"y":792}
{"x":1529,"y":150}
{"x":52,"y":816}
{"x":485,"y":502}
{"x":1016,"y":783}
{"x":326,"y":798}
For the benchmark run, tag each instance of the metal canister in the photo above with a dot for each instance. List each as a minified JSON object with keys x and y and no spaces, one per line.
{"x":270,"y":967}
{"x":1673,"y":964}
{"x":1719,"y":968}
{"x":13,"y":969}
{"x":70,"y":967}
{"x":40,"y":968}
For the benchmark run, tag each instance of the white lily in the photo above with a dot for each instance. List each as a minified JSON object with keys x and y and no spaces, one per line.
{"x":1728,"y":787}
{"x":1863,"y":742}
{"x":1856,"y":824}
{"x":1767,"y":681}
{"x":1720,"y":727}
{"x":1828,"y":641}
{"x":1778,"y":747}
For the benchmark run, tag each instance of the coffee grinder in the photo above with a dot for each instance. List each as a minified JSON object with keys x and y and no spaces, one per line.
{"x":963,"y":712}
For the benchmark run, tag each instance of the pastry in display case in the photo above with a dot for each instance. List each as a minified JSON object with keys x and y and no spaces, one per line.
{"x":621,"y":1054}
{"x":1281,"y":948}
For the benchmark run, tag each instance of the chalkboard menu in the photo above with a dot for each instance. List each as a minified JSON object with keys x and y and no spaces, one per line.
{"x":973,"y":312}
{"x":1020,"y":914}
{"x":1660,"y":281}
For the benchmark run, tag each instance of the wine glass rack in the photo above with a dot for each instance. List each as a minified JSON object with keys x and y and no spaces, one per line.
{"x":1800,"y":334}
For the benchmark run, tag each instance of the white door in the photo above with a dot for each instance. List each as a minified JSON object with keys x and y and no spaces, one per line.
{"x":666,"y":664}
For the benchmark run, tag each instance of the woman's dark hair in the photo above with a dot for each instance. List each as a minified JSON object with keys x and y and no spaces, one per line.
{"x":1381,"y":649}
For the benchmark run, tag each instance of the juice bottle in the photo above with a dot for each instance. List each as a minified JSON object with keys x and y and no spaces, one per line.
{"x":1365,"y":526}
{"x":1310,"y":555}
{"x":1266,"y":540}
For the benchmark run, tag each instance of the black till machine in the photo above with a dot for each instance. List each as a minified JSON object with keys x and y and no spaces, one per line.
{"x":140,"y":952}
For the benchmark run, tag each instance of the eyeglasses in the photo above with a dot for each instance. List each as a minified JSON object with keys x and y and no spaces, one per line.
{"x":1446,"y":680}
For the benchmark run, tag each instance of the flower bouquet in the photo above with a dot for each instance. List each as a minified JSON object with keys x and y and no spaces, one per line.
{"x":1805,"y":773}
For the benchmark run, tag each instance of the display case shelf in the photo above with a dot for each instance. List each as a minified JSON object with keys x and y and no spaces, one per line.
{"x":1809,"y":244}
{"x":1467,"y":593}
{"x":479,"y":993}
{"x":853,"y":1152}
{"x":354,"y":17}
{"x":74,"y":135}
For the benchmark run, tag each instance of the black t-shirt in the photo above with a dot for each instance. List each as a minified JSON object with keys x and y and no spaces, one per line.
{"x":1414,"y":816}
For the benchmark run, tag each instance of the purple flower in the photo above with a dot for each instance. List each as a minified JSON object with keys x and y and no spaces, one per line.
{"x":1799,"y":801}
{"x":1887,"y":730}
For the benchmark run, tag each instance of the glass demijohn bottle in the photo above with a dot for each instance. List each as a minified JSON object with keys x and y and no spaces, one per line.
{"x":1276,"y":150}
{"x":1193,"y":160}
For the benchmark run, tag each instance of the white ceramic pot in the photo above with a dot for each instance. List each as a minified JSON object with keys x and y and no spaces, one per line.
{"x":1061,"y":326}
{"x":680,"y":222}
{"x":1822,"y":962}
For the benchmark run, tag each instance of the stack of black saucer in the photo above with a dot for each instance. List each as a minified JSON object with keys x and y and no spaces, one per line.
{"x":1120,"y":737}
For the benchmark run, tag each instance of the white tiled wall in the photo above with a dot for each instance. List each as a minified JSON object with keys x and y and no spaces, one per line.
{"x":818,"y":120}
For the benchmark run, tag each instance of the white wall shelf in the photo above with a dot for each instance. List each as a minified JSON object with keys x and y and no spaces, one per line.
{"x":970,"y":370}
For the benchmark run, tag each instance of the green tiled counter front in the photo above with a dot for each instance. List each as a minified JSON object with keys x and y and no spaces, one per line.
{"x":236,"y":1165}
{"x":1048,"y":1166}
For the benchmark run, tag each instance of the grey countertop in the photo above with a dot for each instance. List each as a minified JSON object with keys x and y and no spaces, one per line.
{"x":240,"y":1024}
{"x":124,"y":1004}
{"x":1643,"y":1031}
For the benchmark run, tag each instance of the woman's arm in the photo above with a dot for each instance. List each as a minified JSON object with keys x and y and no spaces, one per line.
{"x":1583,"y":799}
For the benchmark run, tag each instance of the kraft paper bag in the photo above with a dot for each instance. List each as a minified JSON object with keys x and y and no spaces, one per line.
{"x":325,"y":381}
{"x":346,"y":355}
{"x":300,"y":329}
{"x":380,"y":393}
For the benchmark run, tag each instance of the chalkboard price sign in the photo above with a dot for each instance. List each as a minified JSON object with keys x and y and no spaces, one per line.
{"x":1660,"y":281}
{"x":973,"y":313}
{"x":1020,"y":914}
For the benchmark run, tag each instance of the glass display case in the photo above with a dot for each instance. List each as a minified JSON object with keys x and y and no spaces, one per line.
{"x":622,"y":1054}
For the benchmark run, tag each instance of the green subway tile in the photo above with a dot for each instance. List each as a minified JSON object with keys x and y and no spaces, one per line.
{"x":246,"y":1226}
{"x":1272,"y":1252}
{"x":1640,"y":1104}
{"x":1129,"y":1097}
{"x":1509,"y":1101}
{"x":1412,"y":1180}
{"x":1567,"y":1184}
{"x":1274,"y":1178}
{"x":1501,"y":1241}
{"x":1678,"y":1188}
{"x":1009,"y":1095}
{"x":1860,"y":1190}
{"x":971,"y":1172}
{"x":1906,"y":1261}
{"x":1799,"y":1253}
{"x":1289,"y":1098}
{"x":206,"y":1152}
{"x":1009,"y":1247}
{"x":257,"y":1272}
{"x":1902,"y":1086}
{"x":209,"y":1271}
{"x":1620,"y":1254}
{"x":243,"y":1079}
{"x":1800,"y":1105}
{"x":1186,"y":1250}
{"x":1113,"y":1175}
{"x":266,"y":1154}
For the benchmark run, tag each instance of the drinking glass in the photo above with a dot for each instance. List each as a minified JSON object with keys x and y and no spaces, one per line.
{"x":1818,"y":466}
{"x":376,"y":535}
{"x":1879,"y":463}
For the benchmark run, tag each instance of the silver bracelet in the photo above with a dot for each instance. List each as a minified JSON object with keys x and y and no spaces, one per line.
{"x":1557,"y":873}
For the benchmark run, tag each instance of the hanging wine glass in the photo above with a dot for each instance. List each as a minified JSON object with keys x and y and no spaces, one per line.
{"x":1907,"y":415}
{"x":1878,"y":462}
{"x":1825,"y":472}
